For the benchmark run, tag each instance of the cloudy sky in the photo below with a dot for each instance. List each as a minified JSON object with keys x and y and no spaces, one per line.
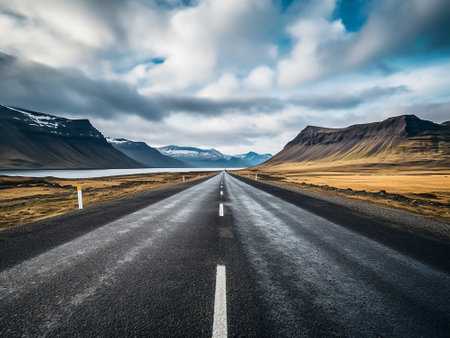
{"x":236,"y":75}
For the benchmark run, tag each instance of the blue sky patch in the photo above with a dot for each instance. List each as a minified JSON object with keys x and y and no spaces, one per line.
{"x":158,"y":60}
{"x":353,"y":13}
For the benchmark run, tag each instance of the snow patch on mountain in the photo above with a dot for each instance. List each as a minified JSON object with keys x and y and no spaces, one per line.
{"x":193,"y":153}
{"x":54,"y":124}
{"x":38,"y":120}
{"x":118,"y":140}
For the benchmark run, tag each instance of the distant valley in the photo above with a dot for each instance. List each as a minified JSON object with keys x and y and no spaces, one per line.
{"x":143,"y":153}
{"x":212,"y":158}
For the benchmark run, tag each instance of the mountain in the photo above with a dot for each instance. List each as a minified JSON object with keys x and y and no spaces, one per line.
{"x":202,"y":158}
{"x":211,"y":158}
{"x":252,"y":158}
{"x":143,"y":153}
{"x":32,"y":140}
{"x":402,"y":139}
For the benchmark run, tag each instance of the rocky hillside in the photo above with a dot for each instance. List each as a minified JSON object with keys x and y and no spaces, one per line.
{"x":404,"y":137}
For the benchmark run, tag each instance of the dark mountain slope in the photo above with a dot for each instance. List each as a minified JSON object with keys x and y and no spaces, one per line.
{"x":31,"y":140}
{"x":404,"y":136}
{"x":143,"y":153}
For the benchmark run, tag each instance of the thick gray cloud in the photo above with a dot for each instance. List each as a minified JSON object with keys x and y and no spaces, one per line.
{"x":436,"y":112}
{"x":206,"y":106}
{"x":345,"y":101}
{"x":35,"y":86}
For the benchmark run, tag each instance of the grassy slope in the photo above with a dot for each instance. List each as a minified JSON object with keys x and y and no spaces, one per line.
{"x":421,"y":189}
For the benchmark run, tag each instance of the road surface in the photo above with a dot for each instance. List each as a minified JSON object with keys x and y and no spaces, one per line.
{"x":220,"y":258}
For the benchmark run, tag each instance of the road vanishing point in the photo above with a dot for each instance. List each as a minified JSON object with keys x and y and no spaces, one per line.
{"x":223,"y":256}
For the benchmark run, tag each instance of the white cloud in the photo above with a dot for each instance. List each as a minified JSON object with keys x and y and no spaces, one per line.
{"x":53,"y":32}
{"x":197,"y":42}
{"x":324,"y":48}
{"x":227,"y":85}
{"x":260,"y":78}
{"x":33,"y":42}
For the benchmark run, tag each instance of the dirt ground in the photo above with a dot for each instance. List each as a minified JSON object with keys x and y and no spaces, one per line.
{"x":28,"y":199}
{"x":425,"y":192}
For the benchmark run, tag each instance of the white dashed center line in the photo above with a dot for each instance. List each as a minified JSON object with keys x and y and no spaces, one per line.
{"x":221,"y":192}
{"x":221,"y":209}
{"x":220,"y":329}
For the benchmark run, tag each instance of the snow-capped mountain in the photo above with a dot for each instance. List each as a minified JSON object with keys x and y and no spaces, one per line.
{"x":52,"y":124}
{"x":253,"y":158}
{"x":36,"y":140}
{"x":143,"y":153}
{"x":209,"y":157}
{"x":192,"y":153}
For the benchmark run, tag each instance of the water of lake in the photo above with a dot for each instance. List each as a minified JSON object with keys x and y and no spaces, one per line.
{"x":90,"y":173}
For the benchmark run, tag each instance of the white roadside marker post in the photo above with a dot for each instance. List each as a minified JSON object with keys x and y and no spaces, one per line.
{"x":183,"y":178}
{"x":256,"y":176}
{"x":80,"y":198}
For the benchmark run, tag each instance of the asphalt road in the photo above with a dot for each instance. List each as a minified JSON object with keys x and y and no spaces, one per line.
{"x":202,"y":260}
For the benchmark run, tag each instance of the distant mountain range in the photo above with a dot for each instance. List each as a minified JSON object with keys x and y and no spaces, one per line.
{"x":403,"y":139}
{"x":143,"y":153}
{"x":253,"y":158}
{"x":32,"y":140}
{"x":212,"y":158}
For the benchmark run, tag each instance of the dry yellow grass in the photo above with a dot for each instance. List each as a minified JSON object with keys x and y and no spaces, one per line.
{"x":423,"y":191}
{"x":27,"y":199}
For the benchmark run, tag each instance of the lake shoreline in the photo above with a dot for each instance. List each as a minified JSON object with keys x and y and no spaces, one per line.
{"x":99,"y":173}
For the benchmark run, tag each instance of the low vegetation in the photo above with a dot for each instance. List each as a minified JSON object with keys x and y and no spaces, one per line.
{"x":27,"y":199}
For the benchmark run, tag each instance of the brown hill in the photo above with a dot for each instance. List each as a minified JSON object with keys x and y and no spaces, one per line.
{"x":403,"y":140}
{"x":31,"y":140}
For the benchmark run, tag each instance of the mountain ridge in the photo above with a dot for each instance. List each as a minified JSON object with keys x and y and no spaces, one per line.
{"x":403,"y":134}
{"x":211,"y":157}
{"x":35,"y":140}
{"x":253,"y":158}
{"x":145,"y":154}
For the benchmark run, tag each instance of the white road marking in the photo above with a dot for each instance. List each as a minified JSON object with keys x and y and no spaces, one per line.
{"x":220,"y":329}
{"x":221,"y":192}
{"x":221,"y":209}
